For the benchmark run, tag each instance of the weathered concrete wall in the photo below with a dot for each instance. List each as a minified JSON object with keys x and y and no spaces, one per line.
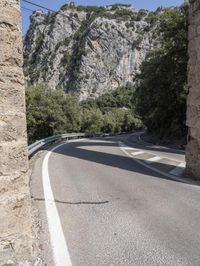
{"x":193,"y":102}
{"x":15,"y":215}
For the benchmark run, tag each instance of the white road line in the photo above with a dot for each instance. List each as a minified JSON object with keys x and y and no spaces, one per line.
{"x":153,"y":159}
{"x":160,"y":147}
{"x":177,"y":171}
{"x":129,"y":148}
{"x":137,"y":152}
{"x":172,"y":177}
{"x":58,"y":243}
{"x":123,"y":145}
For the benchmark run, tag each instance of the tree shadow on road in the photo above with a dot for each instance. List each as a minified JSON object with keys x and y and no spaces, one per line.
{"x":131,"y":140}
{"x":84,"y":150}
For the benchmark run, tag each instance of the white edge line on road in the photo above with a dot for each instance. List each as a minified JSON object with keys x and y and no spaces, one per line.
{"x":137,"y":152}
{"x":129,"y":148}
{"x":153,"y":154}
{"x":178,"y":170}
{"x":186,"y":181}
{"x":58,"y":243}
{"x":123,"y":144}
{"x":153,"y":159}
{"x":150,"y":145}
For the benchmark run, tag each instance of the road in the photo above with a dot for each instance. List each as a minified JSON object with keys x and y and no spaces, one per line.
{"x":112,"y":209}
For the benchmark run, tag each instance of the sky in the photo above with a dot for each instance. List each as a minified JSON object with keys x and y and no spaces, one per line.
{"x":56,"y":4}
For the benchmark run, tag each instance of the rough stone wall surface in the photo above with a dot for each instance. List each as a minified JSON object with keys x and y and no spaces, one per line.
{"x":193,"y":101}
{"x":15,"y":215}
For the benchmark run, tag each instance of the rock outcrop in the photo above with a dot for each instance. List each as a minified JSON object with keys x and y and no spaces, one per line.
{"x":88,"y":50}
{"x":193,"y":101}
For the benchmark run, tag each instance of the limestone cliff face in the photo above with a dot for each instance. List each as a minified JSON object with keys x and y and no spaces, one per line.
{"x":88,"y":50}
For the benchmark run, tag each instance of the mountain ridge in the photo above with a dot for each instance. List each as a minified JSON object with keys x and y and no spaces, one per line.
{"x":88,"y":50}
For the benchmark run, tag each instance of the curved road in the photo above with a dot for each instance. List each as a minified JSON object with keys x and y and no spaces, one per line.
{"x":114,"y":210}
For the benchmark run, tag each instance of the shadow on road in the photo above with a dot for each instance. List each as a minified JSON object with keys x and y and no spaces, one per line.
{"x":76,"y":150}
{"x":132,"y":141}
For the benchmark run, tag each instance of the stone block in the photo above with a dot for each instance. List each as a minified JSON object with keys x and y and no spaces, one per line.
{"x":193,"y":100}
{"x":15,"y":208}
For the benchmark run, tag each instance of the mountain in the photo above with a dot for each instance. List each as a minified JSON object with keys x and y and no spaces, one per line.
{"x":89,"y":50}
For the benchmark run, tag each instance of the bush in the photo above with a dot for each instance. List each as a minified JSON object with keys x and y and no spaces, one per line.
{"x":66,"y":59}
{"x":50,"y":112}
{"x":92,"y":121}
{"x":161,"y":85}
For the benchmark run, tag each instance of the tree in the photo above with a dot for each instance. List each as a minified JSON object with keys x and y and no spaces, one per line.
{"x":45,"y":116}
{"x":161,"y":86}
{"x":52,"y":111}
{"x":92,"y":121}
{"x":72,"y":112}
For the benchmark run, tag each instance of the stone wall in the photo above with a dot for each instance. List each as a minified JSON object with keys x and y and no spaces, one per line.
{"x":15,"y":215}
{"x":193,"y":102}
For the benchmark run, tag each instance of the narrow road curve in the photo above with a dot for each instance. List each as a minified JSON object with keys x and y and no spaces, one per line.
{"x":115,"y":211}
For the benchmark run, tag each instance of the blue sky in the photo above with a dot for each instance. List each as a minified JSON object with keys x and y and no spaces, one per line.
{"x":56,"y":4}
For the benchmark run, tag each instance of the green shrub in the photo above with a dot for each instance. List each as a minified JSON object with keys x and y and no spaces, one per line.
{"x":66,"y":59}
{"x":161,"y":85}
{"x":50,"y":112}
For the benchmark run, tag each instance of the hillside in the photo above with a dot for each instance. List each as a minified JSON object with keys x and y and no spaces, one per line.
{"x":138,"y":64}
{"x":86,"y":49}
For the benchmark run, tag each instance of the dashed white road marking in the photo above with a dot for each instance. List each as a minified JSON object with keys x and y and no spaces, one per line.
{"x":137,"y":152}
{"x":184,"y":180}
{"x":59,"y":247}
{"x":129,"y":148}
{"x":177,"y":171}
{"x":153,"y":159}
{"x":160,"y":147}
{"x":125,"y":147}
{"x":170,"y":176}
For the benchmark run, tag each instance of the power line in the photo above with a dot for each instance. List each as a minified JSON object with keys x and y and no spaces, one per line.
{"x":43,"y":7}
{"x":50,"y":10}
{"x":27,"y":9}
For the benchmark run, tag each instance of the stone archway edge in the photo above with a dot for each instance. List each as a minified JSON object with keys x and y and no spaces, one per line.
{"x":15,"y":204}
{"x":193,"y":100}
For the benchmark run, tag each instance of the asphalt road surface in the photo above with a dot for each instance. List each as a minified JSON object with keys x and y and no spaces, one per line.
{"x":111,"y":209}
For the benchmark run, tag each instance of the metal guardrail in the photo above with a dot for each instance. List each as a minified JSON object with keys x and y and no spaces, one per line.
{"x":40,"y":143}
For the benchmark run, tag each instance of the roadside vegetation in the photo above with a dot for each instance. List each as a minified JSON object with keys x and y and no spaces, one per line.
{"x":161,"y":87}
{"x":51,"y":112}
{"x":156,"y":100}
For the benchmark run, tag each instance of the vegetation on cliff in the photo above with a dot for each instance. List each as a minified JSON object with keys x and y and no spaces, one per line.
{"x":89,"y":50}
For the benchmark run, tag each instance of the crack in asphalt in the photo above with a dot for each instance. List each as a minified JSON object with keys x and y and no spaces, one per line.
{"x":76,"y":203}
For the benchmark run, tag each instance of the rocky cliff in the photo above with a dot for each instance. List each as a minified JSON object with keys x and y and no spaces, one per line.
{"x":88,"y":50}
